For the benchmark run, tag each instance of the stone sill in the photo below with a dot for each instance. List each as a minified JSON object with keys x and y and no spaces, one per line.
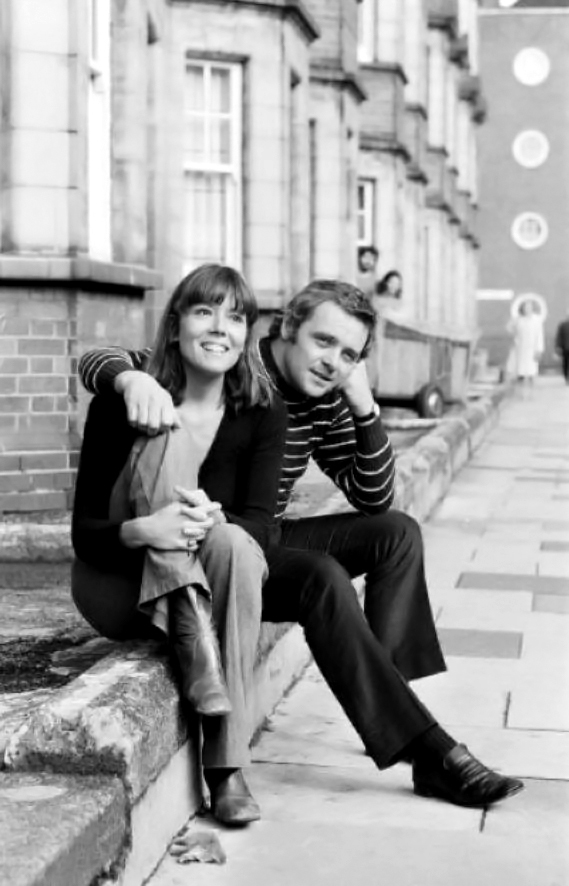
{"x":80,"y":269}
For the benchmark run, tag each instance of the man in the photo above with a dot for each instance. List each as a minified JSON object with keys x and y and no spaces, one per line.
{"x":562,"y":346}
{"x":314,"y":355}
{"x":367,"y":264}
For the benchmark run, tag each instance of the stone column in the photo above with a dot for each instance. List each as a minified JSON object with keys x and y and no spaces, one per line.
{"x":41,"y":141}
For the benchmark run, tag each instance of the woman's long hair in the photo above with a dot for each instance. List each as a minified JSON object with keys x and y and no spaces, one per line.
{"x":245,"y":384}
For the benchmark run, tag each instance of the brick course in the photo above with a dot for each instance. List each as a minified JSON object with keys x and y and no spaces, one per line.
{"x":41,"y":408}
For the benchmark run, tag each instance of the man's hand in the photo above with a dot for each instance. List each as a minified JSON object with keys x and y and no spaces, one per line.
{"x":149,"y":407}
{"x":357,"y":390}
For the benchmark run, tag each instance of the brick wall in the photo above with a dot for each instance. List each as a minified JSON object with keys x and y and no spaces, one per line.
{"x":38,"y":388}
{"x":42,"y":333}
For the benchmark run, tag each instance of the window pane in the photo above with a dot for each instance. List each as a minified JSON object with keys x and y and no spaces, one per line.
{"x":94,"y":30}
{"x":220,"y":99}
{"x":194,"y":139}
{"x":220,"y":145}
{"x":195,"y":88}
{"x":206,"y":217}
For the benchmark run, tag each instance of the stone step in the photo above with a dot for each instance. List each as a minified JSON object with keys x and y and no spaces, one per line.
{"x":57,"y":829}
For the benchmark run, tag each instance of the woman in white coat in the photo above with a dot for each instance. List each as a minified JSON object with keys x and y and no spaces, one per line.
{"x":527,"y":332}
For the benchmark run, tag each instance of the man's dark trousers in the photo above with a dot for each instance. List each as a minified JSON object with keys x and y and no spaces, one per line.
{"x":365,"y":659}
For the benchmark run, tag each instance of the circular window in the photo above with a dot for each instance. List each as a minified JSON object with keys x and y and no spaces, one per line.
{"x":531,"y":66}
{"x":531,"y":148}
{"x":529,"y":230}
{"x":539,"y":304}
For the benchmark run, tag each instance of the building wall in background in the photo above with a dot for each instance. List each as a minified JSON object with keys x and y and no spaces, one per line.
{"x":140,"y":139}
{"x":523,"y":53}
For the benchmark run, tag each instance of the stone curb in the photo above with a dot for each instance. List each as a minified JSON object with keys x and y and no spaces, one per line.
{"x":57,"y":828}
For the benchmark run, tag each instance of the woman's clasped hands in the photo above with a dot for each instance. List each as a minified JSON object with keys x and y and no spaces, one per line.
{"x":183,"y":524}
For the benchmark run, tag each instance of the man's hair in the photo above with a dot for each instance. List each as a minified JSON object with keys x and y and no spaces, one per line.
{"x":363,"y":249}
{"x":246,"y":383}
{"x":301,"y":307}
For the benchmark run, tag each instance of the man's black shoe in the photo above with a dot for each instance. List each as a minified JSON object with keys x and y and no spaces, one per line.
{"x":463,"y":780}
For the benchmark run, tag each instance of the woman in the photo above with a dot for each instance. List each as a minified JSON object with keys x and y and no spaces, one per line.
{"x":390,"y":285}
{"x":178,"y":523}
{"x":527,"y":332}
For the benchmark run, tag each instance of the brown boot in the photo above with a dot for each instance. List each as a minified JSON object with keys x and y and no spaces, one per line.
{"x":195,"y":645}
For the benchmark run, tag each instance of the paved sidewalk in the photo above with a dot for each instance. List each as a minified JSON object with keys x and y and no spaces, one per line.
{"x":498,"y":566}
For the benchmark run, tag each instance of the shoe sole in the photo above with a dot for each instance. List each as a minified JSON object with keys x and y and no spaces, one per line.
{"x":426,"y":791}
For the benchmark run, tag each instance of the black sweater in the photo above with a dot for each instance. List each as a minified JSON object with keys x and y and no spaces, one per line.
{"x":241,"y":471}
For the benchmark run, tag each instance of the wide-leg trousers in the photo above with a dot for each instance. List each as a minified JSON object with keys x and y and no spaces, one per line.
{"x":366,"y":657}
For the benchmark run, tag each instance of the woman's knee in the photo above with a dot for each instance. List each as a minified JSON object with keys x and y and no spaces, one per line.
{"x":229,"y":546}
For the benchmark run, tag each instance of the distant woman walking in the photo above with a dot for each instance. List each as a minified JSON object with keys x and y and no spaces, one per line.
{"x":527,"y":332}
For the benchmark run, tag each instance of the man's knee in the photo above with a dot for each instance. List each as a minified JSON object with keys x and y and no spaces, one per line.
{"x":324,"y":578}
{"x":397,"y":530}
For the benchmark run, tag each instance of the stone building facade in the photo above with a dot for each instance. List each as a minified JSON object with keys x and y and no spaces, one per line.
{"x":140,"y":138}
{"x":524,"y":156}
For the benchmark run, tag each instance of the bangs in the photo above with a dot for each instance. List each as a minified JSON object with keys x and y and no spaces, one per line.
{"x":212,"y":285}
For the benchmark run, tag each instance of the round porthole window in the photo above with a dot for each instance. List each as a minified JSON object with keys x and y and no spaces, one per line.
{"x":530,"y":148}
{"x":529,"y":230}
{"x":531,"y":66}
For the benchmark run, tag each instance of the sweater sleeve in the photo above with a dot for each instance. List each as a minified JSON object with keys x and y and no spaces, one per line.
{"x":257,"y":514}
{"x":99,"y":368}
{"x":107,"y":441}
{"x":357,"y":455}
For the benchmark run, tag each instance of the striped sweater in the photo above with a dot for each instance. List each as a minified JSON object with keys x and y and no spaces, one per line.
{"x":355,"y":453}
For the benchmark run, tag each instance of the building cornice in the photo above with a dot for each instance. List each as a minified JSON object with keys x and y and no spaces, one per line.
{"x":78,"y":269}
{"x":386,"y":67}
{"x":335,"y":76}
{"x":524,"y":10}
{"x":442,"y":15}
{"x":293,"y":9}
{"x":386,"y":144}
{"x":417,"y":108}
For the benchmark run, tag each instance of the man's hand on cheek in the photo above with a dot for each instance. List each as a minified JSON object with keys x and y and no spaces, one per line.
{"x":149,"y":407}
{"x":357,"y":390}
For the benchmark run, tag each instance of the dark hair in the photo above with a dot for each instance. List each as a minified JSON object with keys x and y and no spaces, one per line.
{"x":301,"y":307}
{"x":382,"y":286}
{"x":363,"y":249}
{"x":246,"y":383}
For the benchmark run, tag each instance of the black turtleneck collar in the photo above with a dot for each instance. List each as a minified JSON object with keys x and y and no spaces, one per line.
{"x":286,"y":390}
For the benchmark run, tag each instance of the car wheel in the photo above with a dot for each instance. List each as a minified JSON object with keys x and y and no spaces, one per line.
{"x":429,"y":402}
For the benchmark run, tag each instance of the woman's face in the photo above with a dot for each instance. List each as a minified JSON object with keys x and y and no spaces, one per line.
{"x":212,"y":337}
{"x":394,"y":285}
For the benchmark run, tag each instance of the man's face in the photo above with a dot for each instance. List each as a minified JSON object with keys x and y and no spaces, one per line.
{"x":367,"y":260}
{"x":327,"y":347}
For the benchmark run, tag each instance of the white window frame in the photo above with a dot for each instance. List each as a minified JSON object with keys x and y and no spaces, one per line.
{"x":367,"y":211}
{"x":366,"y":30}
{"x":234,"y":168}
{"x":99,"y":130}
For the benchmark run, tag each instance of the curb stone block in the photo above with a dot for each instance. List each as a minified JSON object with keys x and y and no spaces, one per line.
{"x":121,"y":717}
{"x":60,"y":830}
